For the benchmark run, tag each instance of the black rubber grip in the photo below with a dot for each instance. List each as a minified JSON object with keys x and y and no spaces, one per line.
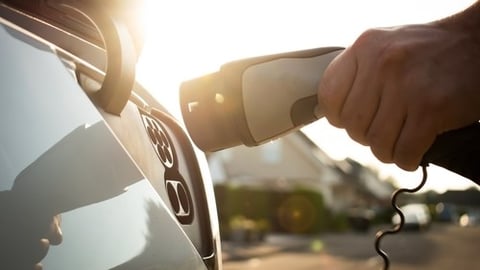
{"x":457,"y":151}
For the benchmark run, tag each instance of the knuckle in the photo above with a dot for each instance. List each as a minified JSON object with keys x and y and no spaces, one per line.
{"x":328,"y":103}
{"x":325,"y":91}
{"x":418,"y":135}
{"x":380,"y":145}
{"x":334,"y":121}
{"x":406,"y":165}
{"x":382,"y":153}
{"x":392,"y":56}
{"x":368,"y":37}
{"x":406,"y":157}
{"x":357,"y":135}
{"x":356,"y":124}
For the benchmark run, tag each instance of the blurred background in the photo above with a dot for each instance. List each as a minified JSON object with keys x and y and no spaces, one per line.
{"x":313,"y":198}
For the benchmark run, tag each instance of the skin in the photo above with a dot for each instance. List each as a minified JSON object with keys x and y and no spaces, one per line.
{"x":396,"y":89}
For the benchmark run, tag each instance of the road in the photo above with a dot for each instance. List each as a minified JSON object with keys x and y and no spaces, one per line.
{"x":442,"y":247}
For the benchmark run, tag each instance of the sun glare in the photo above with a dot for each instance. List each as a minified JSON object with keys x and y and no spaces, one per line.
{"x":177,"y":47}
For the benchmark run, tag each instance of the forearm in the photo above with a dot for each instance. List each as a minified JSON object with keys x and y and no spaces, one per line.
{"x":396,"y":89}
{"x":467,"y":21}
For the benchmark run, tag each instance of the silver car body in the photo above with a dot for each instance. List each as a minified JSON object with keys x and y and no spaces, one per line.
{"x":132,"y":191}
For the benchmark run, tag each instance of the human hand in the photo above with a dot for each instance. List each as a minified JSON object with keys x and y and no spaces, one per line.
{"x":25,"y":241}
{"x":397,"y":89}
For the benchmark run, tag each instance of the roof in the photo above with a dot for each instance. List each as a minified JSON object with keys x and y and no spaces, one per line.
{"x":469,"y":197}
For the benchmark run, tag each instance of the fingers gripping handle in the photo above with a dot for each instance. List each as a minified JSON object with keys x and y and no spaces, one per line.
{"x":255,"y":100}
{"x":279,"y":95}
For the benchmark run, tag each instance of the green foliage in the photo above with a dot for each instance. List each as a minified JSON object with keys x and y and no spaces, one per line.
{"x":300,"y":211}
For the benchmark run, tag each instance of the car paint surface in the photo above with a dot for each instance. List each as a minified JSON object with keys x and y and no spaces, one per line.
{"x":40,"y":104}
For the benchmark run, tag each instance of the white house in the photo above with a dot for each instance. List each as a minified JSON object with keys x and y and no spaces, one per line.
{"x":293,"y":160}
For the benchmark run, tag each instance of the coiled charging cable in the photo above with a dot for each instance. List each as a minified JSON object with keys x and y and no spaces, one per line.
{"x":397,"y":228}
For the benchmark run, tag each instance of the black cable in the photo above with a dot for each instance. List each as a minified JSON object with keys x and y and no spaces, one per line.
{"x":397,"y":228}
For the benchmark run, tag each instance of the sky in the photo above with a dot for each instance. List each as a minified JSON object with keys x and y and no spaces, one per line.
{"x":189,"y":38}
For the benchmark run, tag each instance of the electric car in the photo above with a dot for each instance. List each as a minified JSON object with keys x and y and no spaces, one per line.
{"x":94,"y":172}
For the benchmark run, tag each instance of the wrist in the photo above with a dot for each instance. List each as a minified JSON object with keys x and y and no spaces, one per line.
{"x":466,"y":21}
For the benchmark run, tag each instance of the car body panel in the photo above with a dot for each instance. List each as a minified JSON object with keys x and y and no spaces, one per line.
{"x":131,"y":222}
